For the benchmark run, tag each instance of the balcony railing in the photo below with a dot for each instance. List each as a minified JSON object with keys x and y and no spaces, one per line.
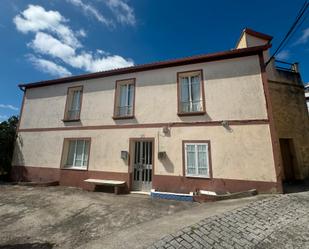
{"x":73,"y":114}
{"x":192,"y":106}
{"x":286,"y":66}
{"x":123,"y":111}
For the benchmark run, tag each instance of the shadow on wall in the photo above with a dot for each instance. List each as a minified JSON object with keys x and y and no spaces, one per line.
{"x":167,"y":164}
{"x":216,"y":70}
{"x":18,"y":173}
{"x":28,"y":246}
{"x":201,"y":118}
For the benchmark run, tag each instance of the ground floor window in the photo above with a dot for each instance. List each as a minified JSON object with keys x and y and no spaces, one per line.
{"x":76,"y":153}
{"x":197,"y":159}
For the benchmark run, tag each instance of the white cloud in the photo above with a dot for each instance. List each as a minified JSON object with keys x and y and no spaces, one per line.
{"x":304,"y":38}
{"x":93,"y":63}
{"x":81,"y":33}
{"x":123,"y":12}
{"x":91,"y":10}
{"x":283,"y":55}
{"x":50,"y":40}
{"x":49,"y":67}
{"x":47,"y":44}
{"x":11,"y":107}
{"x":35,"y":18}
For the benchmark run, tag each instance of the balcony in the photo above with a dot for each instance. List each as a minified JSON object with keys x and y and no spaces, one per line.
{"x":286,"y":66}
{"x":287,"y":72}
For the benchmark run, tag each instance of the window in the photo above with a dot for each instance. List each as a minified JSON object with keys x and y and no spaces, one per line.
{"x":73,"y":104}
{"x":76,"y":153}
{"x":191,"y":93}
{"x":124,"y":99}
{"x":197,"y":159}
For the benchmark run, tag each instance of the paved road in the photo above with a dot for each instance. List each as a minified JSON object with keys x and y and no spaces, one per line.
{"x":281,"y":221}
{"x":59,"y":217}
{"x":62,"y":217}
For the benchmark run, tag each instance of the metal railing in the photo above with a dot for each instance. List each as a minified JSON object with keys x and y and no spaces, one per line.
{"x":123,"y":111}
{"x":286,"y":66}
{"x":73,"y":114}
{"x":192,"y":106}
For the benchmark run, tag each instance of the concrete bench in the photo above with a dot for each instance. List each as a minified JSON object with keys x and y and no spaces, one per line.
{"x":113,"y":183}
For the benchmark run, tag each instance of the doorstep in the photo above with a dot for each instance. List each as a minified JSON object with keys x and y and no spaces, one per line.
{"x":140,"y":192}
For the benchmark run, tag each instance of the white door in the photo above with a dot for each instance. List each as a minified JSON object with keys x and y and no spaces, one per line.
{"x":142,"y":165}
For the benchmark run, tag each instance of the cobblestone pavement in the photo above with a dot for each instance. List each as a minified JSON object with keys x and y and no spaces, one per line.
{"x":280,"y":221}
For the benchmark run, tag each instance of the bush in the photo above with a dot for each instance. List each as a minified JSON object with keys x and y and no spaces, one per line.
{"x":7,"y":140}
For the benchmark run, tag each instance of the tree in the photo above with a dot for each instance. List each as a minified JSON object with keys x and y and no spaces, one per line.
{"x":7,"y":140}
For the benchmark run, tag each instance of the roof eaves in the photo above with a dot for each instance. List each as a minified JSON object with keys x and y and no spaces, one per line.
{"x":152,"y":66}
{"x":258,"y":34}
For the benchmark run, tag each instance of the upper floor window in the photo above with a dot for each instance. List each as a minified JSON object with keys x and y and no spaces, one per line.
{"x":76,"y":153}
{"x":197,"y":159}
{"x":124,"y":99}
{"x":73,"y":104}
{"x":191,"y":93}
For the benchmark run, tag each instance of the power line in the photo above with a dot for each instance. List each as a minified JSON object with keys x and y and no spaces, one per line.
{"x":291,"y":30}
{"x":297,"y":28}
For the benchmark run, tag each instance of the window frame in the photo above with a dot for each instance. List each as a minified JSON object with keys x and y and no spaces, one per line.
{"x":179,"y":110}
{"x":67,"y":104}
{"x":184,"y":158}
{"x":65,"y":151}
{"x":131,"y":81}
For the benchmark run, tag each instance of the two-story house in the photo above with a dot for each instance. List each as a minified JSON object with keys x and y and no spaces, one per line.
{"x":217,"y":122}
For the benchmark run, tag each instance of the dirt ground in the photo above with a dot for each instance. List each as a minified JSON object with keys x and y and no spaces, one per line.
{"x":63,"y":217}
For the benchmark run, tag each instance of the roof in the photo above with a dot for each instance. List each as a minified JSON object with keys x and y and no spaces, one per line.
{"x":257,"y":34}
{"x":254,"y":33}
{"x":234,"y":53}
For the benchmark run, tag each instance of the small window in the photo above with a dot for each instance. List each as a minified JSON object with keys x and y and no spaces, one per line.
{"x":124,"y":99}
{"x":73,"y":104}
{"x":197,"y":159}
{"x":76,"y":153}
{"x":191,"y":96}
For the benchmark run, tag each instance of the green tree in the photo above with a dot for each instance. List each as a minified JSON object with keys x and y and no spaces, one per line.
{"x":7,"y":140}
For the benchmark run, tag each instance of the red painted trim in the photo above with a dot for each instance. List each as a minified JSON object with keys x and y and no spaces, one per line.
{"x":152,"y":66}
{"x":70,"y":120}
{"x":191,"y":113}
{"x":252,"y":32}
{"x":150,"y":125}
{"x":123,"y":117}
{"x":273,"y":133}
{"x":65,"y":116}
{"x":258,"y":34}
{"x":116,"y":96}
{"x":180,"y":184}
{"x":179,"y":113}
{"x":184,"y":161}
{"x":65,"y":143}
{"x":177,"y":184}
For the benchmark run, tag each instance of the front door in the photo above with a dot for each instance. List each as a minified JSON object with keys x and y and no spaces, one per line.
{"x":287,"y":159}
{"x":142,"y":165}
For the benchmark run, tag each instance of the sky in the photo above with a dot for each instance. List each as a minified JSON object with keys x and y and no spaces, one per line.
{"x":42,"y":40}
